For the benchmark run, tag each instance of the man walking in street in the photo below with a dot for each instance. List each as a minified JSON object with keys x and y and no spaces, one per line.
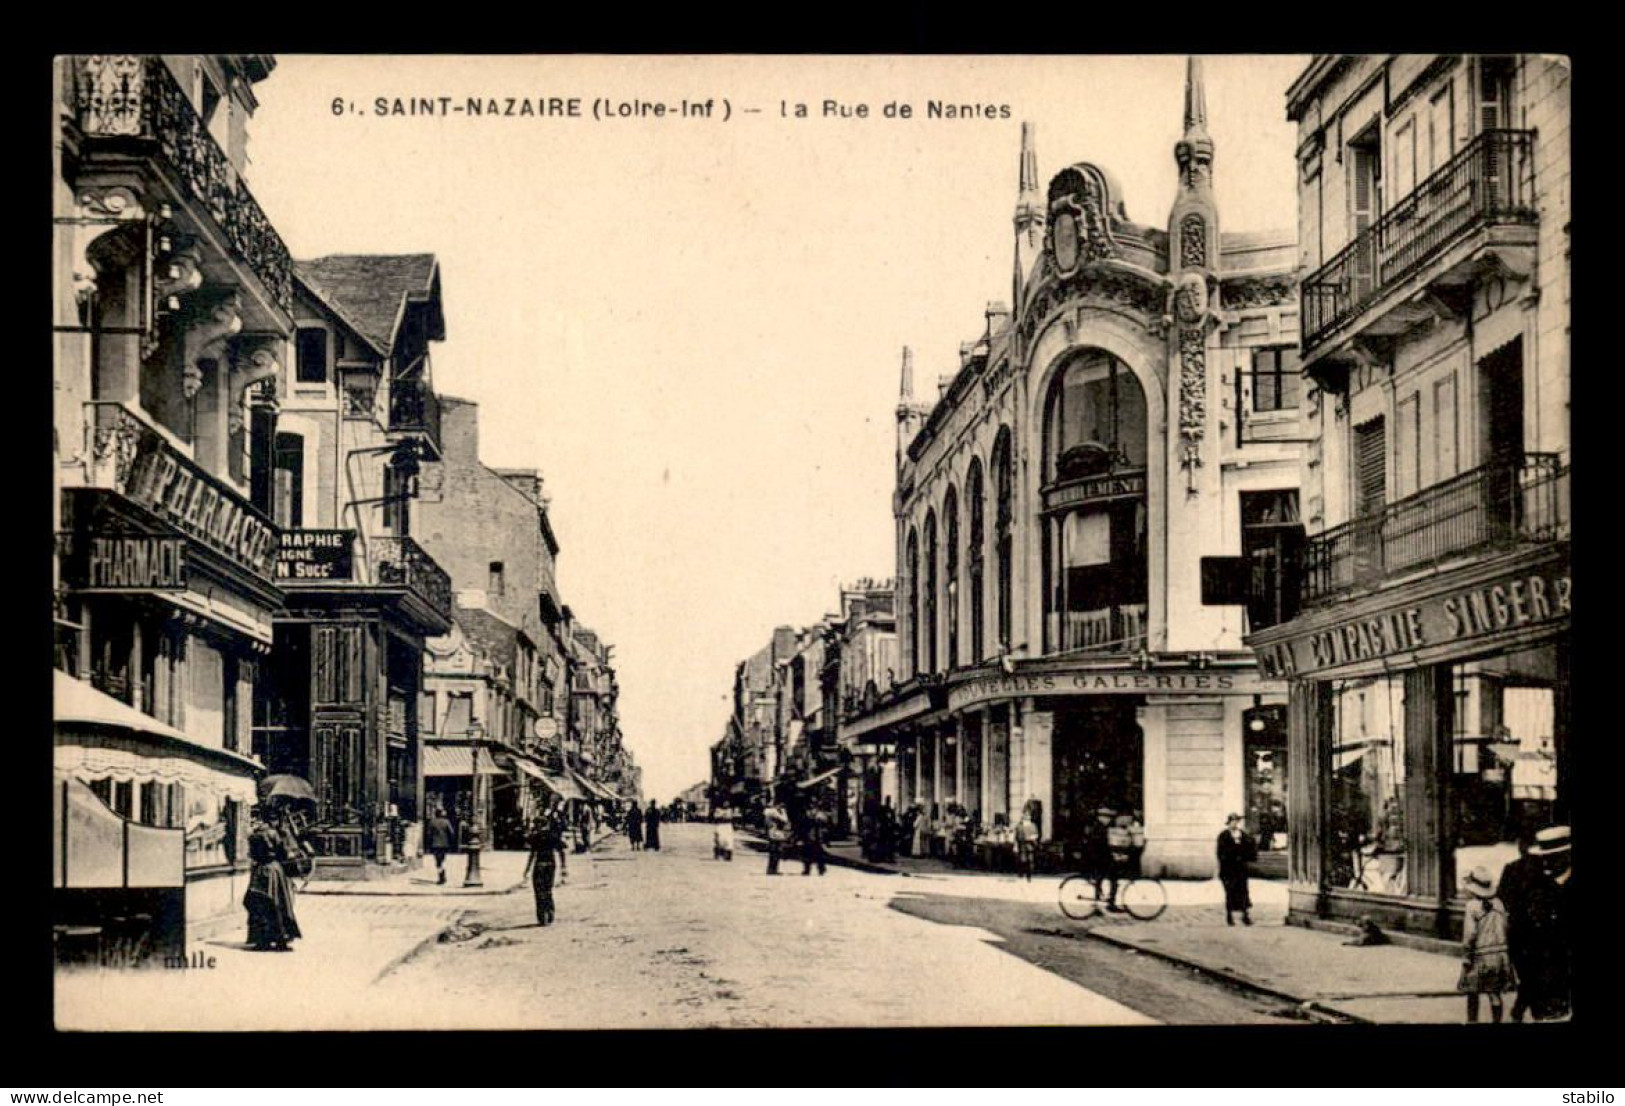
{"x":440,"y":839}
{"x":778,"y":832}
{"x":812,"y":845}
{"x":1513,"y":888}
{"x":651,"y":826}
{"x":1235,"y":850}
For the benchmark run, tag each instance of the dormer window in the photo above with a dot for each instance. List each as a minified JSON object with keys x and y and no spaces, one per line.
{"x":311,"y":356}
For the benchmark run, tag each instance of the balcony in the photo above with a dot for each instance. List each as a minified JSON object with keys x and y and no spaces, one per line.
{"x":1487,"y":186}
{"x":129,"y":103}
{"x":1115,"y":629}
{"x":403,"y":561}
{"x":1497,"y":506}
{"x":414,"y":409}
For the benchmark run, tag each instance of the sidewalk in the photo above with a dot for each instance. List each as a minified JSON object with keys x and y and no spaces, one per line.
{"x":1314,"y":969}
{"x":501,"y":871}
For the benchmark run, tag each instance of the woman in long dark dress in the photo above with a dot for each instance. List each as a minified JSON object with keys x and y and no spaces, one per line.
{"x":651,"y":826}
{"x":634,"y":827}
{"x":1235,"y":850}
{"x":269,"y":898}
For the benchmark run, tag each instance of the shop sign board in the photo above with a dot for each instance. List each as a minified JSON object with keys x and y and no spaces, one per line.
{"x":127,"y":563}
{"x":1175,"y":681}
{"x":1527,"y":599}
{"x":316,"y":555}
{"x":175,"y":489}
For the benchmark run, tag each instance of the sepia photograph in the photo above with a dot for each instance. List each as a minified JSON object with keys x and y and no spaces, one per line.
{"x":591,"y":542}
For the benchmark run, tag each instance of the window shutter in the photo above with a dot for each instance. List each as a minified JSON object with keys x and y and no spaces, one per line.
{"x":1370,"y":461}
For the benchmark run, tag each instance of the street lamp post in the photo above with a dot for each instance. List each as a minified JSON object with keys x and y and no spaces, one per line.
{"x":474,"y":842}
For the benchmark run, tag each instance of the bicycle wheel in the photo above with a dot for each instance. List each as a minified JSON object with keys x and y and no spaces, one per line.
{"x":1077,"y":897}
{"x":1144,"y":899}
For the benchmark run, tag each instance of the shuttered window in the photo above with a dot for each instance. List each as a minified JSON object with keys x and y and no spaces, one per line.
{"x":1370,"y":467}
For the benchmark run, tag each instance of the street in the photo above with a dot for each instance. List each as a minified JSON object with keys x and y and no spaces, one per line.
{"x":674,"y":939}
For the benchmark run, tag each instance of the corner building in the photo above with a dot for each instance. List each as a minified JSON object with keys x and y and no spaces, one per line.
{"x":1429,"y":662}
{"x":1134,"y":412}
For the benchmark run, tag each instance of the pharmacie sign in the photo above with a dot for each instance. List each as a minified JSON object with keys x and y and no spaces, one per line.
{"x":1523,"y":600}
{"x":316,"y":555}
{"x":200,"y":506}
{"x":129,"y":562}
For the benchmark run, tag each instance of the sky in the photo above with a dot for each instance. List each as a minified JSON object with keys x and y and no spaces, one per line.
{"x":693,"y":326}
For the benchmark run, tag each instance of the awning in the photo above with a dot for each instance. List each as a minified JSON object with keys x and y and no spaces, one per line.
{"x":814,"y":781}
{"x":592,"y":787}
{"x":439,"y":760}
{"x":78,"y":705}
{"x":564,"y":787}
{"x":529,"y":769}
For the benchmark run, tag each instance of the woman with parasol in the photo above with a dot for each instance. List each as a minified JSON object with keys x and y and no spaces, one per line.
{"x":275,"y":851}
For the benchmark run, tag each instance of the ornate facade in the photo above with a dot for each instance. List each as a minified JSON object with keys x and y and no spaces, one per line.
{"x":1053,"y":507}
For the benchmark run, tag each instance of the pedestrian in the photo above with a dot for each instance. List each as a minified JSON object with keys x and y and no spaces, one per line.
{"x":1548,"y":923}
{"x":269,"y":898}
{"x":544,"y":850}
{"x":812,"y":844}
{"x":722,"y":840}
{"x":908,"y":830}
{"x":778,"y":833}
{"x":887,"y":834}
{"x":651,"y":827}
{"x":634,"y":827}
{"x":1236,"y":850}
{"x":1027,"y":846}
{"x":1517,"y":878}
{"x":441,"y":838}
{"x":1486,"y":965}
{"x":1097,"y":856}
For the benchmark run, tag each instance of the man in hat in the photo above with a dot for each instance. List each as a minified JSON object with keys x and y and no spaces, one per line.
{"x":1546,"y":924}
{"x":1235,"y":851}
{"x":440,"y":838}
{"x":1513,"y":890}
{"x":1098,"y":861}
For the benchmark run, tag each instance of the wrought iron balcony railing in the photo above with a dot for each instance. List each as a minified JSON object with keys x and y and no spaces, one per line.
{"x":132,"y":98}
{"x":1491,"y":181}
{"x":1501,"y":504}
{"x":404,"y":561}
{"x":414,"y":407}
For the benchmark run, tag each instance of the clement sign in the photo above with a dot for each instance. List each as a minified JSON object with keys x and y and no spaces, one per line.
{"x":1181,"y":681}
{"x":1520,"y":600}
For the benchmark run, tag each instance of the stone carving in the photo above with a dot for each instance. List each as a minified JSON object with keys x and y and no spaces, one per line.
{"x":1190,"y":298}
{"x":1080,"y":203}
{"x":255,"y":365}
{"x":101,"y":210}
{"x":1266,"y":291}
{"x":206,"y":341}
{"x":1114,"y":288}
{"x":180,"y":276}
{"x":1193,"y":242}
{"x":1192,"y":391}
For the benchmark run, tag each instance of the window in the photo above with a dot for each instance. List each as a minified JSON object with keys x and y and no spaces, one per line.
{"x":1405,"y":158}
{"x":1494,"y":93}
{"x":288,"y":485}
{"x":1272,"y":542}
{"x":494,"y":578}
{"x":975,"y":495}
{"x":931,"y":592}
{"x":397,"y":501}
{"x":914,"y":600}
{"x":1276,"y":379}
{"x":950,"y":514}
{"x":1370,"y":467}
{"x":1441,"y":126}
{"x":426,"y":712}
{"x":1444,"y":428}
{"x":1096,"y":418}
{"x":311,"y":356}
{"x":1003,"y":490}
{"x":1366,"y":840}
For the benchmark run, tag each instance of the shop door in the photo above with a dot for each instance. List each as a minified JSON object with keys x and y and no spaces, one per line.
{"x":337,"y":765}
{"x":1264,"y":751}
{"x":1099,"y":757}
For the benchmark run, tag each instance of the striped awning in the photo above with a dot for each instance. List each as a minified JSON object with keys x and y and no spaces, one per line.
{"x":440,"y":760}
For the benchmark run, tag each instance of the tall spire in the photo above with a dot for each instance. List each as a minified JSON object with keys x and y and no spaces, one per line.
{"x":1195,"y":98}
{"x":905,"y":394}
{"x":1029,"y":219}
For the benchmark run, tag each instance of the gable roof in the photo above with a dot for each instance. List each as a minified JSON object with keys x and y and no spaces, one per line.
{"x":371,"y":291}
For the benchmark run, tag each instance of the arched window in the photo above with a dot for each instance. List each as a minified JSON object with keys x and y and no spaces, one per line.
{"x":913,"y":600}
{"x":974,"y":495}
{"x":931,"y":591}
{"x":1095,"y":543}
{"x":1003,"y":546}
{"x":950,"y":527}
{"x":1095,"y":420}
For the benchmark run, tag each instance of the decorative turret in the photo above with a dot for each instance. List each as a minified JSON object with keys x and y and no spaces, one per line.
{"x":1029,"y":218}
{"x":1193,"y":259}
{"x":911,"y":415}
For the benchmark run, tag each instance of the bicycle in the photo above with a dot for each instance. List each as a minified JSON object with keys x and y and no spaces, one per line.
{"x":1143,"y":898}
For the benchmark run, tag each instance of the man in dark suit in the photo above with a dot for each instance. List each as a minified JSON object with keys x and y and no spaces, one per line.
{"x":440,"y":839}
{"x":1517,"y":879}
{"x":1236,"y":850}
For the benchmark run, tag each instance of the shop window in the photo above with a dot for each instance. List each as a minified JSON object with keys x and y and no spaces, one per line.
{"x":311,"y":356}
{"x":928,"y":769}
{"x":1264,"y":744}
{"x":1503,"y":757}
{"x":950,"y":767}
{"x":1366,"y":794}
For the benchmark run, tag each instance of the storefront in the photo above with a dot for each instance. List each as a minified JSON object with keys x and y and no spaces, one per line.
{"x":1428,"y":734}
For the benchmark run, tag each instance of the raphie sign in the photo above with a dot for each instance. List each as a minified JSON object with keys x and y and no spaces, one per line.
{"x":179,"y":492}
{"x":316,"y":555}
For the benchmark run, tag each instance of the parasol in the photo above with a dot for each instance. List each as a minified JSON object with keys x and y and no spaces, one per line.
{"x":292,"y":788}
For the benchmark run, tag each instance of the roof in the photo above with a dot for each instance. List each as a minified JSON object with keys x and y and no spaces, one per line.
{"x":492,"y":633}
{"x":371,"y":291}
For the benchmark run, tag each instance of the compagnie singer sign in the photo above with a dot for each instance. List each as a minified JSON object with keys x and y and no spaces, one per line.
{"x":176,"y":490}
